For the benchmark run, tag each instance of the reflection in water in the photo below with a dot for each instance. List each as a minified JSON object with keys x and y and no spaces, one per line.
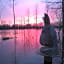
{"x":21,"y":49}
{"x":15,"y":45}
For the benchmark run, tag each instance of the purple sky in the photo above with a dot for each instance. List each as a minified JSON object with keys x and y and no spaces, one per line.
{"x":21,"y":7}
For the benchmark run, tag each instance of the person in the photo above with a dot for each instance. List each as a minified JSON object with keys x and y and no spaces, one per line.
{"x":49,"y":50}
{"x":48,"y":35}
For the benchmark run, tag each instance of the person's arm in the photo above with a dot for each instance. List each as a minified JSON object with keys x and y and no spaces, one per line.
{"x":54,"y":35}
{"x":43,"y":29}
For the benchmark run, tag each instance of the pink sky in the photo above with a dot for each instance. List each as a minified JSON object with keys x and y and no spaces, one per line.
{"x":21,"y":12}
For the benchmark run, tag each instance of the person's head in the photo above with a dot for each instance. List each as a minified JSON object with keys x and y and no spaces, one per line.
{"x":46,"y":19}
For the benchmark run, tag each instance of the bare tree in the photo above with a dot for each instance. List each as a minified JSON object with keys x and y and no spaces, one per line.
{"x":63,"y":29}
{"x":12,"y":5}
{"x":57,"y":7}
{"x":14,"y":11}
{"x":0,"y":15}
{"x":9,"y":2}
{"x":36,"y":11}
{"x":28,"y":13}
{"x":1,"y":11}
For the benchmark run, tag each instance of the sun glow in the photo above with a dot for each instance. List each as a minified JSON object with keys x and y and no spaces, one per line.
{"x":24,"y":20}
{"x":21,"y":13}
{"x":23,"y":10}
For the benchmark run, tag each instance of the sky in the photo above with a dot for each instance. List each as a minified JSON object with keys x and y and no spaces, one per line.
{"x":21,"y":7}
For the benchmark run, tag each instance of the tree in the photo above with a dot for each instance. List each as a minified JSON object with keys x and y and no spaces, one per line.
{"x":14,"y":11}
{"x":12,"y":5}
{"x":0,"y":15}
{"x":36,"y":12}
{"x":57,"y":6}
{"x":4,"y":5}
{"x":1,"y":10}
{"x":63,"y":29}
{"x":28,"y":13}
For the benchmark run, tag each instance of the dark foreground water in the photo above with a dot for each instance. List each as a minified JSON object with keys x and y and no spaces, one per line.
{"x":21,"y":48}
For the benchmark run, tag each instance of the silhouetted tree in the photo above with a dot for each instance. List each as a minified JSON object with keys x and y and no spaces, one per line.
{"x":12,"y":4}
{"x":63,"y":28}
{"x":14,"y":10}
{"x":57,"y":6}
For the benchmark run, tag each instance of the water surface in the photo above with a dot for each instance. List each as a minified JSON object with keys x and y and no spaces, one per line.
{"x":21,"y":48}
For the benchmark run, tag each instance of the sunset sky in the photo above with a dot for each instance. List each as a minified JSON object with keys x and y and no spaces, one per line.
{"x":21,"y":8}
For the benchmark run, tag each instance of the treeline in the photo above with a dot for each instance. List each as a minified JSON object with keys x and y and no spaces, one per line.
{"x":28,"y":26}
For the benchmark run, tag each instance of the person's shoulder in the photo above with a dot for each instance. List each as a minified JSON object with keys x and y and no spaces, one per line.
{"x":52,"y":29}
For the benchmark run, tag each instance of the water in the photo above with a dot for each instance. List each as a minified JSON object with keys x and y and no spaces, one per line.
{"x":21,"y":48}
{"x":27,"y":43}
